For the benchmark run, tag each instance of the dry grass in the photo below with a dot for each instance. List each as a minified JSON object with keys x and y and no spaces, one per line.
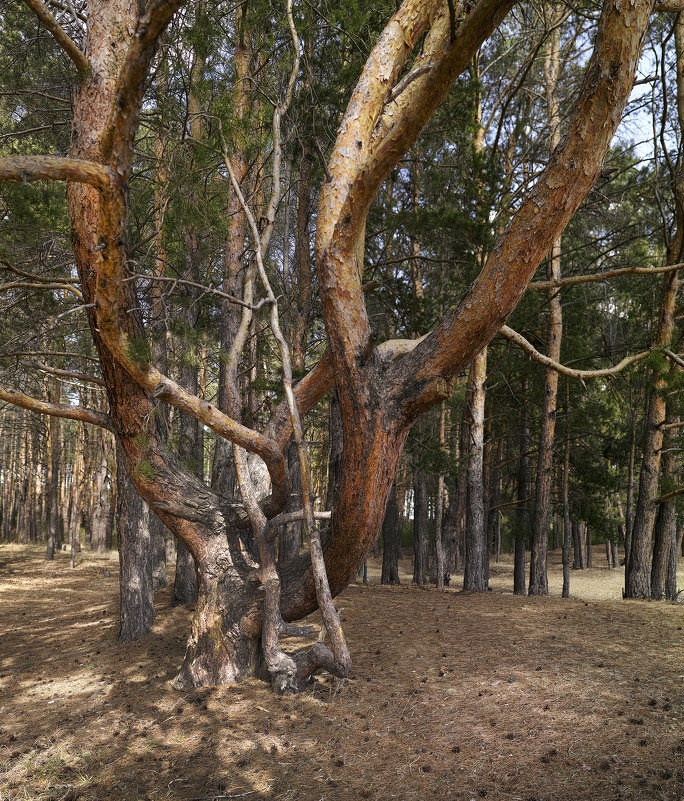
{"x":453,"y":696}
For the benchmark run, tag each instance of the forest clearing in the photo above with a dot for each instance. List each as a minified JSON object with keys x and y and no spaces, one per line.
{"x":297,"y":294}
{"x":452,"y":696}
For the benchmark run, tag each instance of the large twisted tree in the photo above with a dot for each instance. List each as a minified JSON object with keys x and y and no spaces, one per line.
{"x":382,"y":389}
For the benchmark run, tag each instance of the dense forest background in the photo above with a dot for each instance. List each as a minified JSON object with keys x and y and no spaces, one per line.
{"x":564,"y":433}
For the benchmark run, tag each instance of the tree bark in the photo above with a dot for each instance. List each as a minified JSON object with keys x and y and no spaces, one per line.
{"x":136,"y":603}
{"x":629,"y":510}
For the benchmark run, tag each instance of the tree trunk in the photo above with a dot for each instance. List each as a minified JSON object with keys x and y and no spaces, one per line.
{"x":136,"y":602}
{"x":76,"y":495}
{"x":185,"y":579}
{"x":665,"y":533}
{"x":101,"y":536}
{"x":578,"y":562}
{"x":589,"y":550}
{"x":629,"y":510}
{"x":522,"y":514}
{"x":476,"y":551}
{"x":158,"y":555}
{"x":420,"y":524}
{"x":638,"y":568}
{"x":616,"y":555}
{"x":638,"y":571}
{"x":540,"y":524}
{"x":567,"y":525}
{"x":391,"y":540}
{"x":493,"y":516}
{"x":379,"y":401}
{"x":53,"y":488}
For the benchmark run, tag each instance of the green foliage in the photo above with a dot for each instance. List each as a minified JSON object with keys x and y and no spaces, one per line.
{"x":139,"y":351}
{"x":144,"y":471}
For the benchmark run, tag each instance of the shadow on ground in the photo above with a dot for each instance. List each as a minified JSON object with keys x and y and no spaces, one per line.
{"x":453,"y":696}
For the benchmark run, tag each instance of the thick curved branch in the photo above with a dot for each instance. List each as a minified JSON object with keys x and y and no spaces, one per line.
{"x":341,"y":220}
{"x":580,"y":375}
{"x":383,"y":119}
{"x":446,"y":53}
{"x":573,"y":280}
{"x":56,"y":409}
{"x":57,"y":168}
{"x":60,"y":36}
{"x":572,"y":171}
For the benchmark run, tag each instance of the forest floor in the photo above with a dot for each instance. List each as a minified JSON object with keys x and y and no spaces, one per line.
{"x":453,"y":696}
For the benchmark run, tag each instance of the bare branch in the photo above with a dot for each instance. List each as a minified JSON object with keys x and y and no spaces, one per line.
{"x":669,"y":495}
{"x":673,"y":7}
{"x":580,"y":375}
{"x":7,"y":266}
{"x":68,"y":354}
{"x":408,"y":79}
{"x":673,"y":356}
{"x":291,"y":517}
{"x":597,"y":277}
{"x":60,"y":36}
{"x":208,"y":288}
{"x":89,"y":379}
{"x":37,"y":285}
{"x":57,"y":168}
{"x":56,"y":409}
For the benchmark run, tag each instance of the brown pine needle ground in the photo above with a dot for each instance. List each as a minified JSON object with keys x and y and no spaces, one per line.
{"x":453,"y":696}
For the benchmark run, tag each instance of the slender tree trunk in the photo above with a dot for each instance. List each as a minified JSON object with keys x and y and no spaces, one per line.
{"x":577,"y":545}
{"x":665,"y":533}
{"x":638,"y":570}
{"x":567,"y":525}
{"x":76,"y":496}
{"x":53,"y":483}
{"x":629,"y":511}
{"x":439,"y":507}
{"x":540,"y":524}
{"x":100,"y":508}
{"x":493,"y":517}
{"x":589,"y":549}
{"x":476,"y":551}
{"x":420,"y":527}
{"x":391,"y":541}
{"x":522,"y":514}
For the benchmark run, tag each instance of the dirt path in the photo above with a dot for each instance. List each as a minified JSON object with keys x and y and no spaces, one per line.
{"x":453,"y":696}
